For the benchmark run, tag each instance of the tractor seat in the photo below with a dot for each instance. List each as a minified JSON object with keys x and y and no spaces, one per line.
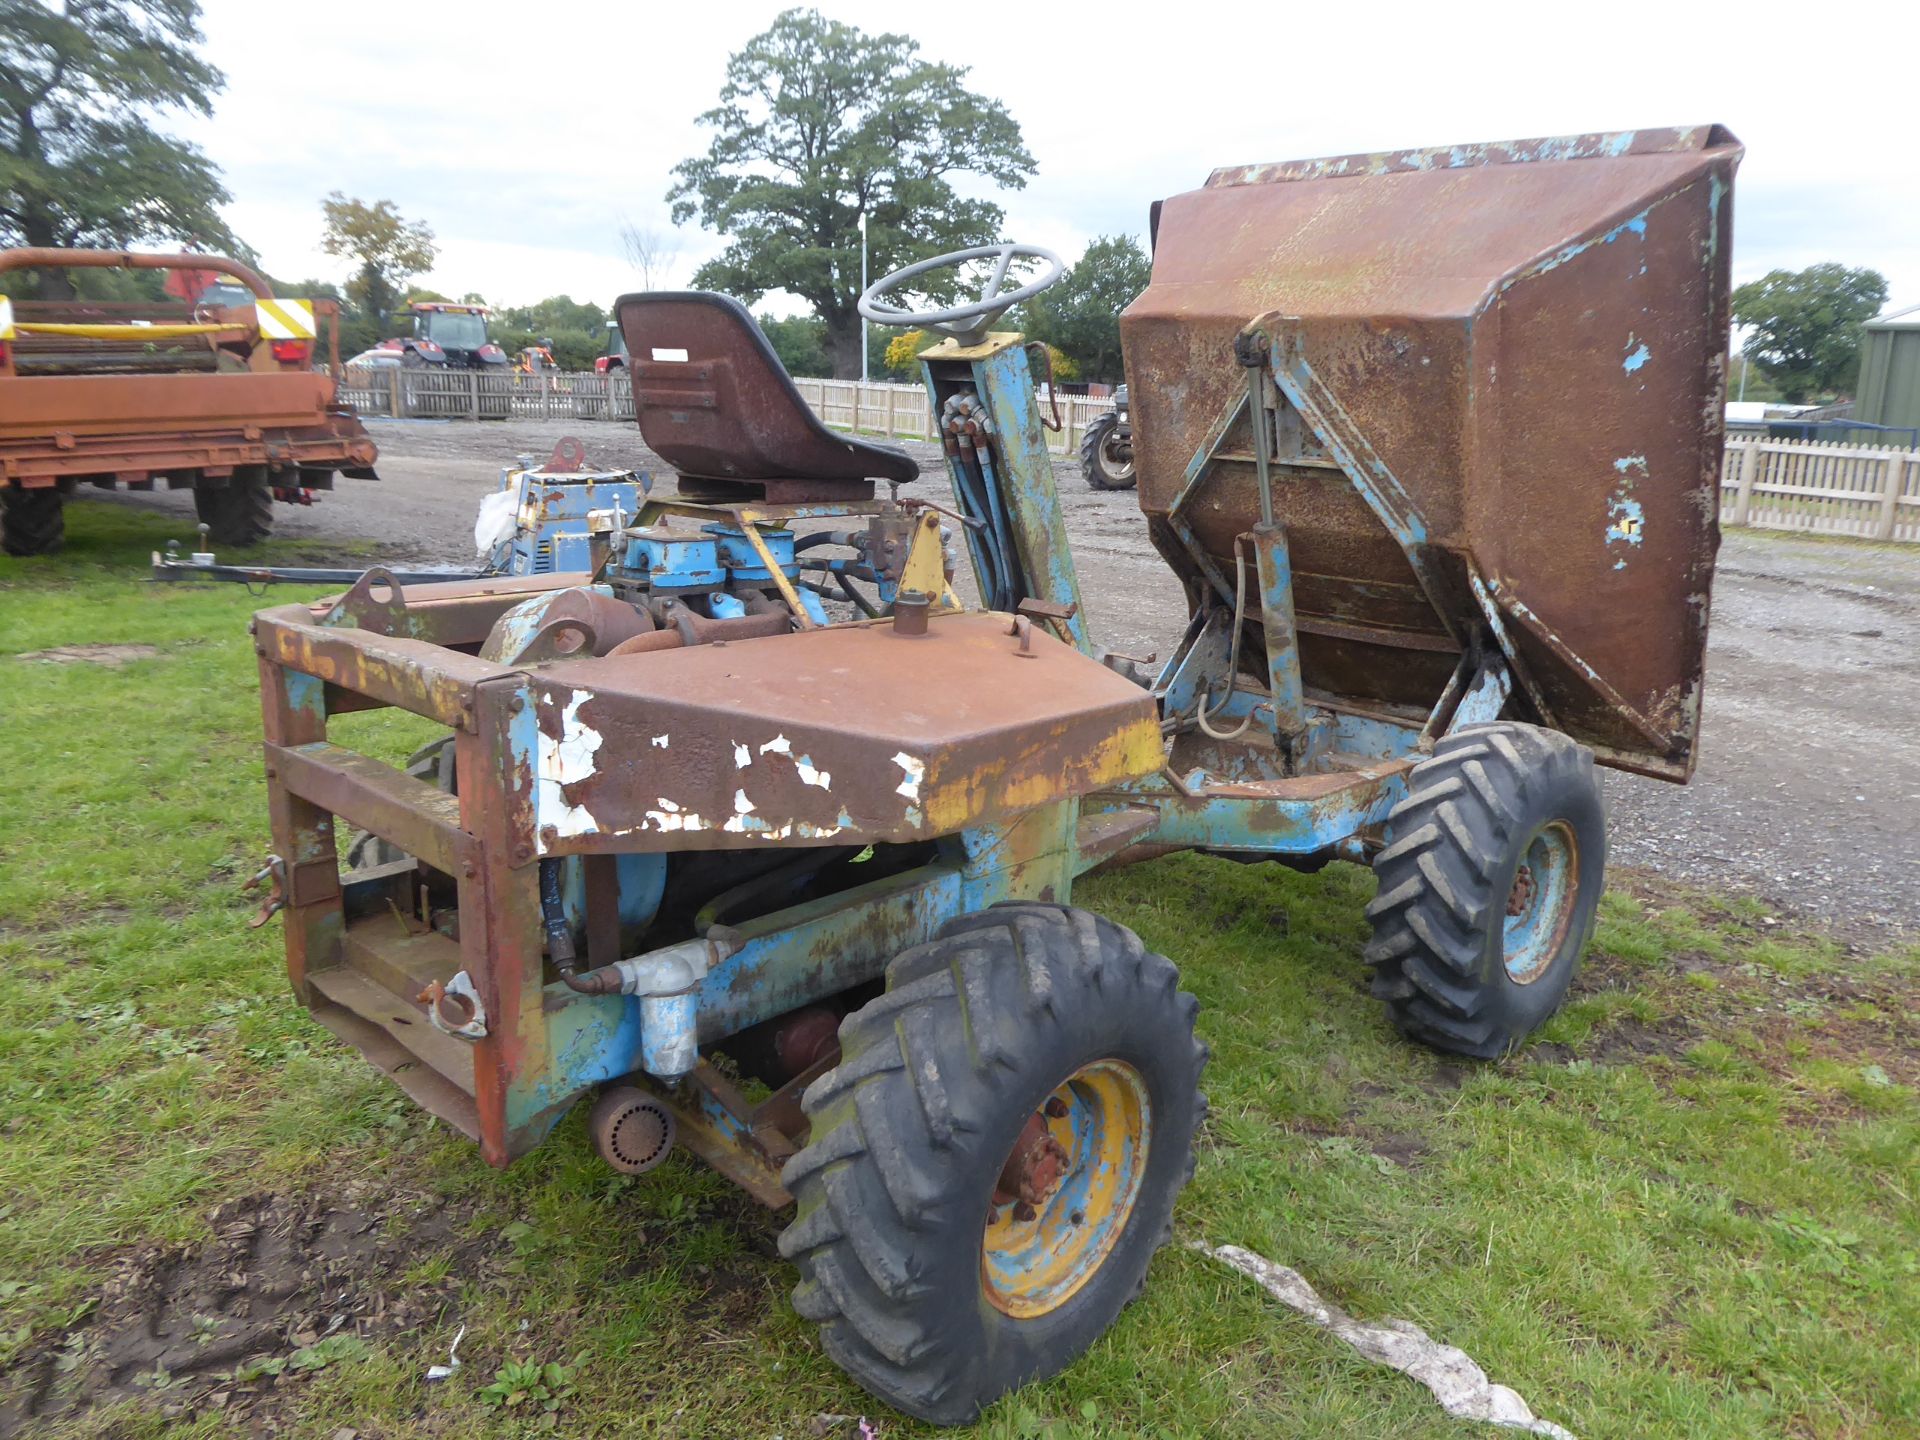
{"x":714,"y":402}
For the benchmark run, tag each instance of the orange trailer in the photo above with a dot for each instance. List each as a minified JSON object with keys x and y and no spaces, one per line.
{"x":221,"y":399}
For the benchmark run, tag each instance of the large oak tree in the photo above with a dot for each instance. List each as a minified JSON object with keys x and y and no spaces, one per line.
{"x":819,"y":124}
{"x":80,"y":164}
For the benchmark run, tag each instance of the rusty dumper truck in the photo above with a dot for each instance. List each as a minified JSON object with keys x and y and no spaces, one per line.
{"x":1432,"y":439}
{"x":220,"y":399}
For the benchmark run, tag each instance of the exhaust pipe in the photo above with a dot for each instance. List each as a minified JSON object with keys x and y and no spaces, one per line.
{"x":631,"y":1129}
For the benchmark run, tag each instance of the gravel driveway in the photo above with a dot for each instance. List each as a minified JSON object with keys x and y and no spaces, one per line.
{"x":1808,"y":789}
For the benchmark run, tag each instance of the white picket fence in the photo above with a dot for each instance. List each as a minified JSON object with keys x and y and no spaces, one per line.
{"x":868,"y":408}
{"x":1821,"y":487}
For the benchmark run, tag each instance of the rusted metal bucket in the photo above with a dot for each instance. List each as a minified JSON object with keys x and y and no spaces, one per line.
{"x":1527,"y":341}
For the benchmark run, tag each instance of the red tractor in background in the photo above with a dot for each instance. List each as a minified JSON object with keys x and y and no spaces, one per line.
{"x":615,"y":356}
{"x":448,"y":334}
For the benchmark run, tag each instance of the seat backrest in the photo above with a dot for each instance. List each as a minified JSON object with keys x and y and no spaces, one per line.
{"x":714,"y":401}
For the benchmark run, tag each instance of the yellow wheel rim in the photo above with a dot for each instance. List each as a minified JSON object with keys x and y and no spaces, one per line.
{"x":1039,"y":1250}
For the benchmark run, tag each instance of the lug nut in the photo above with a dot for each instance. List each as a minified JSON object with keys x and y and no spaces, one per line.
{"x":1056,"y":1108}
{"x":1024,"y":1212}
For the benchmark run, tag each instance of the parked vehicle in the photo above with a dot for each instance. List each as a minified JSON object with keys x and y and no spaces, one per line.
{"x":615,"y":356}
{"x":447,"y":334}
{"x":796,"y":895}
{"x":1106,"y":450}
{"x":221,"y":399}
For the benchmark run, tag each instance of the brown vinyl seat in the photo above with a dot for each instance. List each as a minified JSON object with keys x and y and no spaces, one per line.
{"x":714,"y":402}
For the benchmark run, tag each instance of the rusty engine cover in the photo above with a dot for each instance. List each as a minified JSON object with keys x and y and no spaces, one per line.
{"x":836,"y":736}
{"x":1532,"y":337}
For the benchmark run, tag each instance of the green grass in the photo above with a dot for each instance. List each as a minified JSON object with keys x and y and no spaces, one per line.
{"x":1688,"y":1209}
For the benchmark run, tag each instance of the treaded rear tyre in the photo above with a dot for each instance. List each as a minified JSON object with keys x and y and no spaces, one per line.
{"x":1101,"y":470}
{"x":937,"y":1080}
{"x":1458,"y":971}
{"x":240,"y":512}
{"x":32,"y":522}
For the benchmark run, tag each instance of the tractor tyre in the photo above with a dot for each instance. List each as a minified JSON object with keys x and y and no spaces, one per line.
{"x":1489,"y":889}
{"x":32,"y":522}
{"x":1105,"y":469}
{"x":240,"y":512}
{"x":995,"y":1158}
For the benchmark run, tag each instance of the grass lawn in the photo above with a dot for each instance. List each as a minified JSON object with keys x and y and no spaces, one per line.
{"x":1688,"y":1209}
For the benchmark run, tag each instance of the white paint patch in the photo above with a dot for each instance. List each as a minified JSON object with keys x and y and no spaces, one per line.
{"x":1461,"y":1386}
{"x":804,"y":768}
{"x":742,"y":805}
{"x":778,"y":745}
{"x":742,"y":757}
{"x":670,"y":817}
{"x":562,"y":762}
{"x":916,"y":772}
{"x":660,"y":741}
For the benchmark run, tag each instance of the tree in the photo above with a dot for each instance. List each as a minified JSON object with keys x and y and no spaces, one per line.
{"x":1081,"y":314}
{"x":903,"y":351}
{"x":557,"y":313}
{"x":654,"y":253}
{"x":390,"y":248}
{"x":800,"y":341}
{"x":820,"y":124}
{"x":1806,"y":325}
{"x":79,"y":163}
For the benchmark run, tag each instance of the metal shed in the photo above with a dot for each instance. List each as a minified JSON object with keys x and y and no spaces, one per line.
{"x":1889,"y":389}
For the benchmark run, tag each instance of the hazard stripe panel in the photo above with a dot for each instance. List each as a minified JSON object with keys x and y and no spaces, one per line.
{"x":286,"y":319}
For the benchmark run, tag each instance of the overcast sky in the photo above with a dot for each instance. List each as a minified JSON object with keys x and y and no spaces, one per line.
{"x":525,"y":144}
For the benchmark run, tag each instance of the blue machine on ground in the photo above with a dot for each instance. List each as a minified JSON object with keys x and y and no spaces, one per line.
{"x":538,"y":521}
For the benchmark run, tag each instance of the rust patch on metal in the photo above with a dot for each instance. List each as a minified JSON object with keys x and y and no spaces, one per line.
{"x":1539,"y":369}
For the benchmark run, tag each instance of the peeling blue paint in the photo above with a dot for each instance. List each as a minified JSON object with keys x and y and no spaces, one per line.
{"x":1637,"y":225}
{"x":1631,"y":464}
{"x":1636,"y":357}
{"x":1626,"y":522}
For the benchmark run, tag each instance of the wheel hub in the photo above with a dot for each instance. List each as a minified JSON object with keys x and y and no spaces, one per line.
{"x":1032,"y":1172}
{"x":1521,"y":895}
{"x":1063,"y":1197}
{"x":1541,"y":902}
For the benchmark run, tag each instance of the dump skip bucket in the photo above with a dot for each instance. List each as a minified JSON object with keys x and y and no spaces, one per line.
{"x":1522,"y":347}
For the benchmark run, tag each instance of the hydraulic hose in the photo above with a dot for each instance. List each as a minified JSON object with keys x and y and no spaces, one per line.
{"x":1233,"y":653}
{"x":553,"y":915}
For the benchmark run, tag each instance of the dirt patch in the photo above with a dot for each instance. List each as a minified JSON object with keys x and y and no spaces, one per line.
{"x":1631,"y":1041}
{"x":112,"y":656}
{"x":287,"y":1285}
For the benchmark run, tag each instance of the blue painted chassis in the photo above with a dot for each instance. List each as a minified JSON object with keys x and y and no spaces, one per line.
{"x":1293,"y":778}
{"x":1348,"y":770}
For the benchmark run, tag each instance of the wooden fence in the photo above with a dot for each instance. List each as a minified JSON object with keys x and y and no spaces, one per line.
{"x":887,"y":410}
{"x":1821,"y":487}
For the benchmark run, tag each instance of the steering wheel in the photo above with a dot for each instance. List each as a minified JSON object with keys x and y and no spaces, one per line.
{"x":992,"y":304}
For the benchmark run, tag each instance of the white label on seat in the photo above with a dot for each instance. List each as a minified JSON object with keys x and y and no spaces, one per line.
{"x":679,"y":355}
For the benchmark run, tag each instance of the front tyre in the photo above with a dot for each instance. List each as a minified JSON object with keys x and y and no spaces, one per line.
{"x":1106,"y":454}
{"x":995,"y":1158}
{"x":1490,"y":889}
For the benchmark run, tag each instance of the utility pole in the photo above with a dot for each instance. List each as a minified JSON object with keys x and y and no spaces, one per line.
{"x":863,"y":290}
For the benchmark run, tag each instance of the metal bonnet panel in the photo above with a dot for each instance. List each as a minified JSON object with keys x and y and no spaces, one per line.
{"x":1528,"y":340}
